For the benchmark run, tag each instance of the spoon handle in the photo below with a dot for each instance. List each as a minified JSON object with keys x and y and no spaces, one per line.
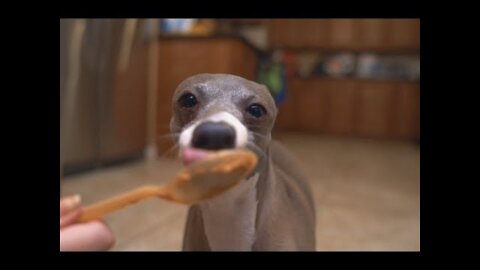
{"x":99,"y":209}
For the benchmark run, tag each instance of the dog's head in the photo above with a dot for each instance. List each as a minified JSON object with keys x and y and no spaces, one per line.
{"x":221,"y":111}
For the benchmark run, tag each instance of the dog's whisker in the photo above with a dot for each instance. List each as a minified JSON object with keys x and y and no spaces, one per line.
{"x":172,"y":137}
{"x":169,"y":135}
{"x":256,"y":149}
{"x":254,"y":133}
{"x":170,"y":150}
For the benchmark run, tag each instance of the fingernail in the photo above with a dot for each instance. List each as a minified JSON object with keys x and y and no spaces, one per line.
{"x":73,"y":201}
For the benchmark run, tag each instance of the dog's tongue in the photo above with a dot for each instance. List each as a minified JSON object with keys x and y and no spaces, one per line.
{"x":190,"y":155}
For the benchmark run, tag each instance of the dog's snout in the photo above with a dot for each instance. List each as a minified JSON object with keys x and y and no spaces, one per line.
{"x":213,"y":136}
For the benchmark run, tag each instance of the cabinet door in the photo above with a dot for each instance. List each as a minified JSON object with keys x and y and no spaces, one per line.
{"x":342,"y":106}
{"x":277,"y":32}
{"x":347,"y":34}
{"x":376,"y":100}
{"x":406,"y":122}
{"x":316,"y":33}
{"x":343,"y":33}
{"x":311,"y":97}
{"x":299,"y":33}
{"x":372,"y":34}
{"x":403,"y":33}
{"x":243,"y":60}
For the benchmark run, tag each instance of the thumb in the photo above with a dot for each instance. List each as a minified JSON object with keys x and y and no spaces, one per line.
{"x":68,"y":204}
{"x":69,"y":210}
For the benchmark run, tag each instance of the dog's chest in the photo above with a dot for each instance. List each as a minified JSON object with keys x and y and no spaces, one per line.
{"x":229,"y":219}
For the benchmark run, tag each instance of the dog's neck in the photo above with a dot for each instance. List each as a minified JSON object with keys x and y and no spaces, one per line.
{"x":229,"y":219}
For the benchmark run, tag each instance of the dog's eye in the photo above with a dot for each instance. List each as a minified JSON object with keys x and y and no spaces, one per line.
{"x":256,"y":110}
{"x":187,"y":100}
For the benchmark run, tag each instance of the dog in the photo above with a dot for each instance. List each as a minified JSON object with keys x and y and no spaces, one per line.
{"x":271,"y":210}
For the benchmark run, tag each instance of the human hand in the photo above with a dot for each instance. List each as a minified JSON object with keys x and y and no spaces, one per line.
{"x":89,"y":236}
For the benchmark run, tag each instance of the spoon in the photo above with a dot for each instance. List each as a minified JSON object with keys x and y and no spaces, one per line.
{"x":200,"y":181}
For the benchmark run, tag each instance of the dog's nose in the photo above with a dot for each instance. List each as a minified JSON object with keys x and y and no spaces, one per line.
{"x":213,"y":136}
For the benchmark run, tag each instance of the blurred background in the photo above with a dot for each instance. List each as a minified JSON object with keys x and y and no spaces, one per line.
{"x":349,"y":98}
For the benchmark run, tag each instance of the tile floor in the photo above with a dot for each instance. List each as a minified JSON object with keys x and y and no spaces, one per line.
{"x":367,"y":195}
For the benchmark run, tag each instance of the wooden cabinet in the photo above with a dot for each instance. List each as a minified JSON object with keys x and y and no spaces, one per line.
{"x":180,"y":58}
{"x":375,"y":108}
{"x":352,"y":107}
{"x":371,"y":34}
{"x":345,"y":34}
{"x":406,"y":118}
{"x":342,"y":106}
{"x":403,"y":33}
{"x":295,"y":33}
{"x":319,"y":32}
{"x":311,"y":103}
{"x":369,"y":108}
{"x":275,"y":34}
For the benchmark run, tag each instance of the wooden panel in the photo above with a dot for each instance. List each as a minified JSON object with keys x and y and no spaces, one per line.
{"x":276,"y":32}
{"x":299,"y":33}
{"x":406,"y":121}
{"x":286,"y":33}
{"x":367,"y":108}
{"x":375,"y":108}
{"x":316,"y":33}
{"x":296,"y":36}
{"x":343,"y":33}
{"x":349,"y":34}
{"x":372,"y":34}
{"x":305,"y":36}
{"x":403,"y":34}
{"x":243,"y":60}
{"x":311,"y":98}
{"x":342,"y":107}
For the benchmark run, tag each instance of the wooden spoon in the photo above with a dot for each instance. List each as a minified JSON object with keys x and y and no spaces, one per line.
{"x":201,"y":180}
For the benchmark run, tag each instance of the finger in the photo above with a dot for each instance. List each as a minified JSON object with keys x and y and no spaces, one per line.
{"x":70,"y":218}
{"x":68,"y":204}
{"x":91,"y":236}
